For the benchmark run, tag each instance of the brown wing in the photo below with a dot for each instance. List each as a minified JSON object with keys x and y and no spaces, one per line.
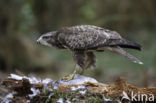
{"x":85,"y":37}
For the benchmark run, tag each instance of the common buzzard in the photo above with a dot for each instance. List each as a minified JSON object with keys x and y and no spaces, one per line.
{"x":83,"y":40}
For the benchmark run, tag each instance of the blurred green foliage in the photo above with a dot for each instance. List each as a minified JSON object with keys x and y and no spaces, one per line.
{"x":23,"y":21}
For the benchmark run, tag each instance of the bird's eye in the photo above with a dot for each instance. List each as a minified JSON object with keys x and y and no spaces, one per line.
{"x":45,"y":37}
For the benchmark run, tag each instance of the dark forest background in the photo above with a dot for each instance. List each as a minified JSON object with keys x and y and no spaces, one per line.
{"x":23,"y":21}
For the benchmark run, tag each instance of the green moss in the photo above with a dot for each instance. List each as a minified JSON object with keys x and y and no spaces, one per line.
{"x":73,"y":96}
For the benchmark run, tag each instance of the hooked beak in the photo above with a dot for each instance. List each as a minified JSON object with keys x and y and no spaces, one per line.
{"x":42,"y":42}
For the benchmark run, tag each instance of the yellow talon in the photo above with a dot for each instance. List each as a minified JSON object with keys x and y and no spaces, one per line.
{"x":70,"y":76}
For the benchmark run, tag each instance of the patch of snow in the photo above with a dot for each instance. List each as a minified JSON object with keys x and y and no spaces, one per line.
{"x":14,"y":76}
{"x":55,"y":85}
{"x":83,"y":92}
{"x":67,"y":101}
{"x":7,"y":98}
{"x":73,"y":88}
{"x":47,"y":80}
{"x":28,"y":101}
{"x":78,"y":79}
{"x":45,"y":86}
{"x":34,"y":80}
{"x":75,"y":99}
{"x":60,"y":100}
{"x":51,"y":94}
{"x":106,"y":99}
{"x":35,"y":92}
{"x":77,"y":88}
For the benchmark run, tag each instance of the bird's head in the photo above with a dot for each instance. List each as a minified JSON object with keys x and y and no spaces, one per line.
{"x":47,"y":39}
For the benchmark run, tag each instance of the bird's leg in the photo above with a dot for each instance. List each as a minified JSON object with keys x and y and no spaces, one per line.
{"x":73,"y":74}
{"x":70,"y":76}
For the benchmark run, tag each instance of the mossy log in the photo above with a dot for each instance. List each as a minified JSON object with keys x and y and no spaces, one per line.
{"x":88,"y":92}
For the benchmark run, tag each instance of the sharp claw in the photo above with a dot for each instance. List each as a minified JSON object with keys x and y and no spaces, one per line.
{"x":69,"y":77}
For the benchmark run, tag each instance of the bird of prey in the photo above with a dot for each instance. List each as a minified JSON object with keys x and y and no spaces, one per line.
{"x":83,"y":40}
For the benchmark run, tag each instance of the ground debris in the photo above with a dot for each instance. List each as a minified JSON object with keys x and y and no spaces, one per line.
{"x":81,"y":89}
